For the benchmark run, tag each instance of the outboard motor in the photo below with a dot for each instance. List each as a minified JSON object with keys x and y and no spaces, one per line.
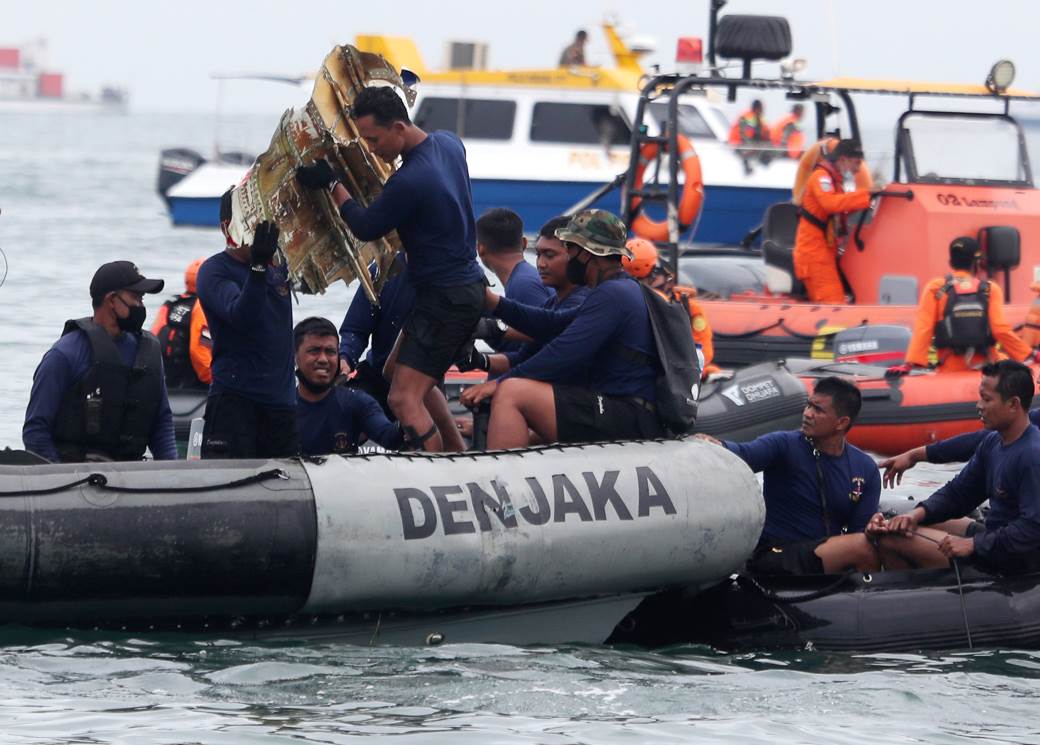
{"x":174,"y":165}
{"x":756,"y":400}
{"x":236,"y":158}
{"x":872,"y":345}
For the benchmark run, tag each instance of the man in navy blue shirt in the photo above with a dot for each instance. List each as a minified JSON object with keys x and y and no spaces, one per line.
{"x":429,"y":203}
{"x":251,"y":409}
{"x":1005,"y":469}
{"x":379,"y":325}
{"x":382,"y":324}
{"x":333,"y":419}
{"x":99,"y":393}
{"x":500,"y":246}
{"x":820,"y":490}
{"x":956,"y":449}
{"x":551,"y":266}
{"x":608,"y":338}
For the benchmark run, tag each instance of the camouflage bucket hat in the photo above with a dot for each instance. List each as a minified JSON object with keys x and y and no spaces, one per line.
{"x":598,"y":232}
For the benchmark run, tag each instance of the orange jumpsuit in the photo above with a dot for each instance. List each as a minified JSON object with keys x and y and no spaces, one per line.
{"x":749,"y":128}
{"x":930,"y":311}
{"x":200,"y":346}
{"x":816,"y":250}
{"x":787,"y":136}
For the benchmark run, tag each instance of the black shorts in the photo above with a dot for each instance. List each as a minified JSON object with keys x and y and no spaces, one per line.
{"x":238,"y":427}
{"x":440,"y":324}
{"x":798,"y":557}
{"x":1007,"y":565}
{"x":584,"y":416}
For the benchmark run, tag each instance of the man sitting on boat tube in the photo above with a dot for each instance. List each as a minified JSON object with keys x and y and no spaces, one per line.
{"x":332,"y":418}
{"x":822,"y":222}
{"x":552,"y":269}
{"x":1005,"y":469}
{"x":99,"y":392}
{"x":608,"y":337}
{"x":963,"y":316}
{"x":820,"y":490}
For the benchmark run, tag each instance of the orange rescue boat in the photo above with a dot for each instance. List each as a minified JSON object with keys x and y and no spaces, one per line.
{"x":960,"y":167}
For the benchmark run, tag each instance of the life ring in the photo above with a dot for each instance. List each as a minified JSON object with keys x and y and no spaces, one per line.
{"x":812,"y":158}
{"x":692,"y":195}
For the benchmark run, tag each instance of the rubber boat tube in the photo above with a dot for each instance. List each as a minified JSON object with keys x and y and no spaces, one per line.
{"x":754,"y":401}
{"x":165,"y":543}
{"x":886,"y":611}
{"x":528,"y":525}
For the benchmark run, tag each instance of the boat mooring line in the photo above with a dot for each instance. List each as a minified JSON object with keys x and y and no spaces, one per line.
{"x":960,"y":589}
{"x":964,"y":605}
{"x":100,"y":481}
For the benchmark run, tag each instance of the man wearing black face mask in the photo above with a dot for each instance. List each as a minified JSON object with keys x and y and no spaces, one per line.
{"x":332,"y":419}
{"x":99,"y":393}
{"x":608,"y":340}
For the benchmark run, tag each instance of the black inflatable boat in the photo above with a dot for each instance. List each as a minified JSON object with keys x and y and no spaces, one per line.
{"x":886,"y":611}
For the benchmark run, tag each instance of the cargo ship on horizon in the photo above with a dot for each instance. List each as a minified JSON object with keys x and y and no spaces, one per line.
{"x":28,"y":86}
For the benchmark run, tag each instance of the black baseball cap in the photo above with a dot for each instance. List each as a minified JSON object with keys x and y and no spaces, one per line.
{"x":121,"y":275}
{"x":964,"y":250}
{"x":848,"y":149}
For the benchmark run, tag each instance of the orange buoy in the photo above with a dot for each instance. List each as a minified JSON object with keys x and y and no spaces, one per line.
{"x":692,"y":195}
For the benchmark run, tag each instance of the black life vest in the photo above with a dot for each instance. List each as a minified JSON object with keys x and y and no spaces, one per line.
{"x":965,"y":321}
{"x":175,"y":343}
{"x":111,"y":410}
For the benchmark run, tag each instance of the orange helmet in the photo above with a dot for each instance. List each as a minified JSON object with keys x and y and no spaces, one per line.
{"x":644,"y":258}
{"x":190,"y":274}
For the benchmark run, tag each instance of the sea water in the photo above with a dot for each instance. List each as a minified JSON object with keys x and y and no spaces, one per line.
{"x":79,"y":190}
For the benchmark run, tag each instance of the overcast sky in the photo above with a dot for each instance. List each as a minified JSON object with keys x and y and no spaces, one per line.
{"x":164,"y":52}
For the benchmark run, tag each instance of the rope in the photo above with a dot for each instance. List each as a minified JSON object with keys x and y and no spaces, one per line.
{"x":781,"y":324}
{"x":100,"y":481}
{"x":816,"y":594}
{"x":748,"y":334}
{"x":964,"y":604}
{"x":51,"y":490}
{"x":960,"y":588}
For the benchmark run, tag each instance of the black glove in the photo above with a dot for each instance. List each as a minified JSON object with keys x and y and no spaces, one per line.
{"x":265,"y":243}
{"x":474,"y":361}
{"x":317,"y":176}
{"x":898,"y":371}
{"x":490,"y":330}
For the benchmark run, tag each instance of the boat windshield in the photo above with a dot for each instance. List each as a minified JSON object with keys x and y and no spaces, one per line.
{"x":951,"y":148}
{"x":691,"y":123}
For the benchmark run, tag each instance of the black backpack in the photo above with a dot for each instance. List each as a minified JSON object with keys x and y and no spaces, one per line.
{"x":174,"y":340}
{"x":965,"y":321}
{"x":679,"y":375}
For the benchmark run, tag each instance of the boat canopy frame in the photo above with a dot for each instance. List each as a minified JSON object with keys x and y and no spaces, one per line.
{"x":674,"y":86}
{"x":904,"y":154}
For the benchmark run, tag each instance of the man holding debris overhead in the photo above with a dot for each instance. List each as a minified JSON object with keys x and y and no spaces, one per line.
{"x":428,"y":201}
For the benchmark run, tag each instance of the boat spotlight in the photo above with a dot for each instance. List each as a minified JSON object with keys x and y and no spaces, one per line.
{"x":791,"y":67}
{"x":1000,"y":77}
